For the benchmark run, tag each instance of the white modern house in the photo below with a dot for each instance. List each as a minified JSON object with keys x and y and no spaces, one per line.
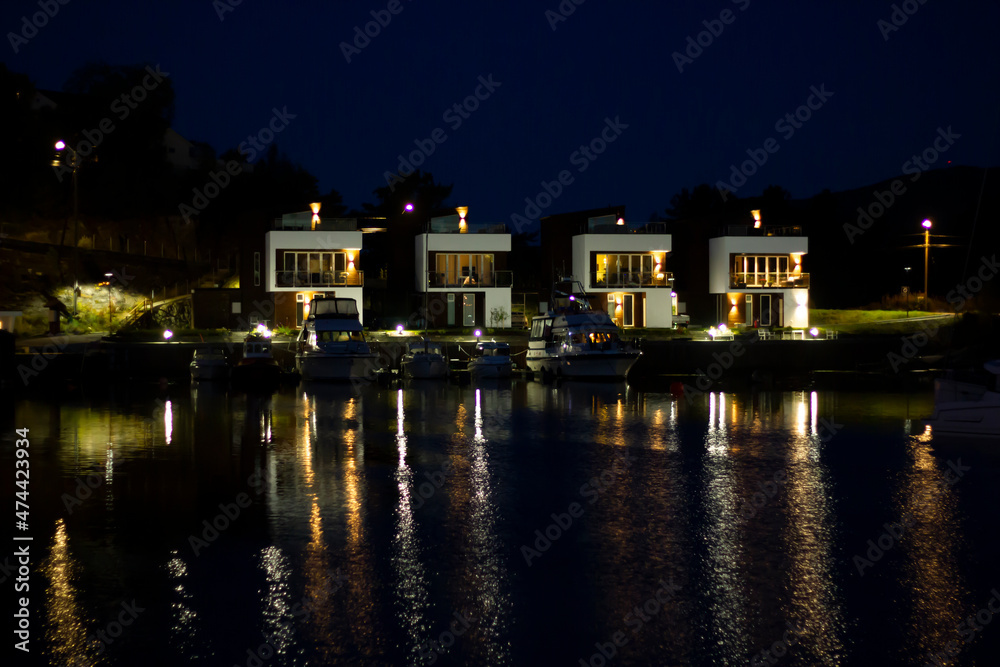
{"x":461,"y":272}
{"x":306,"y":257}
{"x":622,"y":269}
{"x":755,"y":275}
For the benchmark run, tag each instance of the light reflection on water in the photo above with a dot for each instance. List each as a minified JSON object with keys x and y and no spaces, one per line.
{"x":387,"y":512}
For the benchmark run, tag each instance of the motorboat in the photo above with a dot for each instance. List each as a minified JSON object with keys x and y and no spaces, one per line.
{"x":331,"y":344}
{"x":257,"y":366}
{"x":967,"y":408}
{"x":491,"y":360}
{"x":573,"y":340}
{"x":424,"y":360}
{"x":209,"y":364}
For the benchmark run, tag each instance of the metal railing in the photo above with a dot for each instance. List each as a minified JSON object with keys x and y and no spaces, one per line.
{"x":766,"y":230}
{"x":633,"y":279}
{"x":488,"y":279}
{"x":770,"y":280}
{"x":319,"y":278}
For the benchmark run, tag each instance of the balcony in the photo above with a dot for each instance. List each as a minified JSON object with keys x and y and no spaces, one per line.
{"x":766,"y":230}
{"x":741,"y":281}
{"x":454,"y":225}
{"x":632,"y":280}
{"x":319,"y":279}
{"x":302,"y":222}
{"x":602,"y":226}
{"x":488,"y":279}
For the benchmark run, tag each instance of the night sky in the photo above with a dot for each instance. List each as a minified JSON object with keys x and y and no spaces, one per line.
{"x":888,"y":90}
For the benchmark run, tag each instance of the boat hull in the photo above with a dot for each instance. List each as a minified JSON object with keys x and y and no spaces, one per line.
{"x":481,"y":369}
{"x":210,"y":372}
{"x":333,"y":367}
{"x":256,"y":372}
{"x":425,"y":369}
{"x":595,"y":366}
{"x":965,"y":409}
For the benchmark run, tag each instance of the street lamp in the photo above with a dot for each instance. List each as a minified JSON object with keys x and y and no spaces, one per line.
{"x":74,"y":164}
{"x":926,"y":224}
{"x":110,"y":316}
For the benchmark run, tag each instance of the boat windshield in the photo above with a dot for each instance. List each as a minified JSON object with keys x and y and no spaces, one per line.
{"x":339,"y":336}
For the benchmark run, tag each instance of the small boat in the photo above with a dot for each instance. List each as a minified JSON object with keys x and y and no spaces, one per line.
{"x":574,"y":340}
{"x":967,"y":408}
{"x":331,"y":345}
{"x":424,"y":360}
{"x":491,"y":360}
{"x":257,"y":365}
{"x":209,"y":364}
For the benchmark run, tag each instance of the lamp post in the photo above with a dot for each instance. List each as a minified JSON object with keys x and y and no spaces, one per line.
{"x":74,"y":163}
{"x":926,"y":224}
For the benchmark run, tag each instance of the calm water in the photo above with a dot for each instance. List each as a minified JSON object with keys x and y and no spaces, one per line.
{"x":365,"y":524}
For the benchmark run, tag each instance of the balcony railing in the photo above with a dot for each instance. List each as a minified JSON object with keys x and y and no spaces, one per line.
{"x":455,"y":226}
{"x":603,"y":227}
{"x":303,"y":223}
{"x":766,"y":230}
{"x":319,"y":278}
{"x":770,"y":280}
{"x":488,"y":279}
{"x":634,"y":279}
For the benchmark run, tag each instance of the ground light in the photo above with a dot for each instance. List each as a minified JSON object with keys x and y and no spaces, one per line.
{"x":167,"y":335}
{"x":814,"y":332}
{"x":399,"y":329}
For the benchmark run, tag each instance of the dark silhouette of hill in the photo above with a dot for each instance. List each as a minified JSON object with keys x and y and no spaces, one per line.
{"x":857,"y":237}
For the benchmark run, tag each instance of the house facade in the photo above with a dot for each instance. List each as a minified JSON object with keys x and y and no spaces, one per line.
{"x":306,"y":257}
{"x":461,"y":272}
{"x":756,"y":276}
{"x":622,"y":268}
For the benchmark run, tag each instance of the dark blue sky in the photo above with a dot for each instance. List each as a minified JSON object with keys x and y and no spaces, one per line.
{"x":557,"y":87}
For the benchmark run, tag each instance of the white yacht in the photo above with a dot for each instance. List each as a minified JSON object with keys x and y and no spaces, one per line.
{"x":491,"y":360}
{"x":967,"y":408}
{"x":424,"y":360}
{"x":331,"y":345}
{"x":574,"y":340}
